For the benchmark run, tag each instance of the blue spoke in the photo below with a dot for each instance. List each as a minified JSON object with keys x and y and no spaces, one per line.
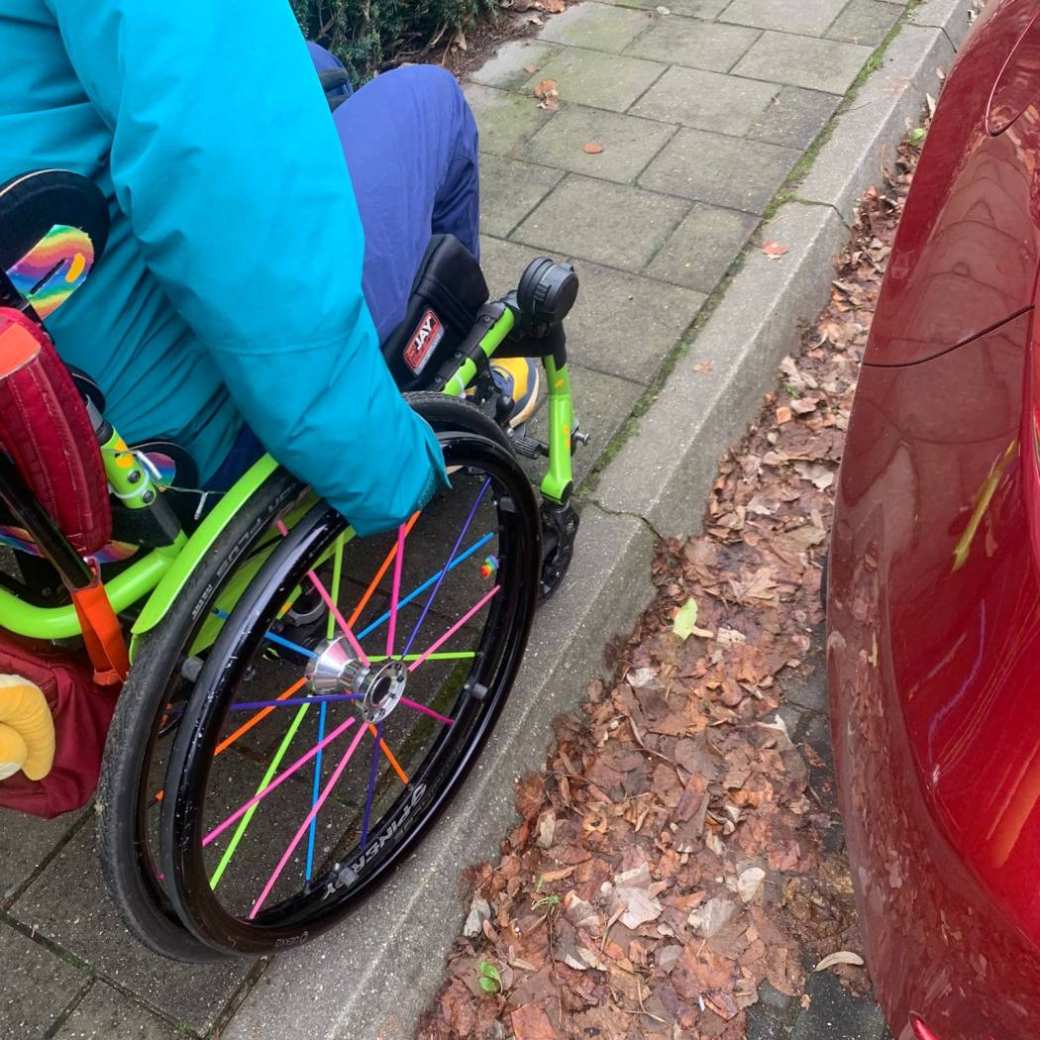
{"x":316,"y":793}
{"x":415,"y":593}
{"x":447,"y":566}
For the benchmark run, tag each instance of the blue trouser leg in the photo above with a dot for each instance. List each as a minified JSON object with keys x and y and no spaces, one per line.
{"x":410,"y":142}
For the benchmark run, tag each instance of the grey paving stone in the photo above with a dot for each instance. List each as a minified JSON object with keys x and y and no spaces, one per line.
{"x":804,"y":62}
{"x":601,"y":80}
{"x":67,"y":904}
{"x":702,"y":247}
{"x":706,"y":100}
{"x":602,"y":403}
{"x":811,"y":17}
{"x":687,"y":41}
{"x":865,"y":21}
{"x":105,"y":1014}
{"x":513,"y":63}
{"x":684,"y":8}
{"x":612,"y":224}
{"x":622,"y":324}
{"x":794,"y":117}
{"x":509,"y":190}
{"x":505,"y":120}
{"x":628,"y":143}
{"x":836,"y":1014}
{"x":37,"y":986}
{"x":596,"y":26}
{"x":24,"y":842}
{"x":726,"y":171}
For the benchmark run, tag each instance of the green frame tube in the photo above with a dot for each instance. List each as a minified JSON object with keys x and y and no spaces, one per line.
{"x":162,"y":574}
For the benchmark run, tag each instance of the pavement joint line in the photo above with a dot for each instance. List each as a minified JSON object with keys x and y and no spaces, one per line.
{"x":8,"y":902}
{"x":63,"y":1016}
{"x":635,"y":516}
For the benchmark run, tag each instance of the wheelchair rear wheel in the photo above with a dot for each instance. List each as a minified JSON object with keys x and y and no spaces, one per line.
{"x":347,"y":733}
{"x":131,"y":784}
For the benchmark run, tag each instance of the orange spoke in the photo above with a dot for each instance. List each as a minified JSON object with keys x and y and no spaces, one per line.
{"x":380,"y":574}
{"x":258,"y":717}
{"x":385,"y":748}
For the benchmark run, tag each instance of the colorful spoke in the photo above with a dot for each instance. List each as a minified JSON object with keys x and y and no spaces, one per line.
{"x":330,"y":631}
{"x":447,"y":566}
{"x":298,"y":836}
{"x":240,"y":830}
{"x":438,"y":643}
{"x":370,"y":793}
{"x":416,"y":706}
{"x":292,"y":702}
{"x":383,"y":568}
{"x":259,"y":717}
{"x":395,"y":765}
{"x":277,"y":782}
{"x":395,"y":591}
{"x":416,"y":592}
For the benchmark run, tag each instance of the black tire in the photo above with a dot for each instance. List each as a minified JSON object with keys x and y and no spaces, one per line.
{"x":124,"y":795}
{"x":350,"y":871}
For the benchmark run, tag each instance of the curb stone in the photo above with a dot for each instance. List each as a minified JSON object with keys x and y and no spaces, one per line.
{"x":373,"y":978}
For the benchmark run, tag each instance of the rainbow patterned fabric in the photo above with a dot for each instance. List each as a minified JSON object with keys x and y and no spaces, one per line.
{"x":53,"y":269}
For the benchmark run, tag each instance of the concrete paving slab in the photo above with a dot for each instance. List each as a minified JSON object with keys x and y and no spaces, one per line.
{"x":374,"y":976}
{"x":612,"y":224}
{"x":105,"y":1014}
{"x":611,"y":81}
{"x":25,"y":842}
{"x":628,"y":143}
{"x":702,"y":247}
{"x":505,"y":120}
{"x":865,"y":21}
{"x":597,"y":26}
{"x":725,"y":171}
{"x":866,"y":135}
{"x":699,"y":44}
{"x":836,"y":1015}
{"x":79,"y":918}
{"x":664,"y":472}
{"x":513,"y":64}
{"x":37,"y":986}
{"x":706,"y":100}
{"x":683,"y":8}
{"x":623,"y":324}
{"x":812,"y":19}
{"x":794,"y":117}
{"x":804,"y":62}
{"x":952,"y":16}
{"x":510,"y":189}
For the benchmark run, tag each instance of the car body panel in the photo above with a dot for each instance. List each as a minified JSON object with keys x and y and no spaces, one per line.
{"x":934,"y":581}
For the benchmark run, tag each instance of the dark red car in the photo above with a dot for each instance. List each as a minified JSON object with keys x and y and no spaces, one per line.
{"x":934,"y":586}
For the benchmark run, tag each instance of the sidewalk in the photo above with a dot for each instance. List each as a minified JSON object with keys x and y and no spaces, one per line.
{"x":702,"y":113}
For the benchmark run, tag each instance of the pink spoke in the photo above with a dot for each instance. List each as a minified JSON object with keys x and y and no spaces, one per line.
{"x":327,"y":599}
{"x":395,"y":593}
{"x":416,"y":706}
{"x":454,"y":628}
{"x":298,"y":837}
{"x":281,"y":778}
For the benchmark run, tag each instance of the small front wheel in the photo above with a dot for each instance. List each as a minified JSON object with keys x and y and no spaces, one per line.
{"x":314,"y":754}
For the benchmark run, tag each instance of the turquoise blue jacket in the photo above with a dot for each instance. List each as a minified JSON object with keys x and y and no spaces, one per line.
{"x":231,"y":287}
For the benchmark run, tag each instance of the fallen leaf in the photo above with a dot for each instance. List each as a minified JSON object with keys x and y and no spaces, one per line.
{"x":783,"y":415}
{"x":553,"y":6}
{"x":774,"y":250}
{"x":639,"y":907}
{"x":592,"y":148}
{"x":479,"y":912}
{"x":749,"y":883}
{"x":685,"y":621}
{"x":708,"y":920}
{"x":546,"y":88}
{"x":841,"y":957}
{"x":530,"y":1022}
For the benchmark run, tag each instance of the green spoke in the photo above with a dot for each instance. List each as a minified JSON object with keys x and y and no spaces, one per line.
{"x":337,"y":572}
{"x":240,"y":830}
{"x":447,"y":655}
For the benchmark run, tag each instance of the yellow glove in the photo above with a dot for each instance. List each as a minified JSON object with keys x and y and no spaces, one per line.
{"x":26,"y":729}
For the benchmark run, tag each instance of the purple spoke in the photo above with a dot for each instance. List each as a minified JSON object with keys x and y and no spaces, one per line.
{"x":373,"y":772}
{"x":447,"y":566}
{"x":322,"y":698}
{"x":298,"y":836}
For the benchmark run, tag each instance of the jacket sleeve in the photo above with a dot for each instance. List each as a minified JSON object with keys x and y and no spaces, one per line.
{"x":230,"y":171}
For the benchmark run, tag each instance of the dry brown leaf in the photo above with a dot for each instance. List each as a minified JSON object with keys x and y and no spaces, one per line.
{"x":530,"y":1022}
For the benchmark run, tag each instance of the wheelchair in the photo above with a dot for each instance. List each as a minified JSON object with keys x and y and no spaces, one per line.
{"x":284,"y":706}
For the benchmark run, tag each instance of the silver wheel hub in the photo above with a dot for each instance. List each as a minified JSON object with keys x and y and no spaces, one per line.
{"x":336,"y":670}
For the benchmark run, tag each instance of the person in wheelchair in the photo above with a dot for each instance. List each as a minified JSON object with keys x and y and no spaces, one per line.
{"x":260,"y":251}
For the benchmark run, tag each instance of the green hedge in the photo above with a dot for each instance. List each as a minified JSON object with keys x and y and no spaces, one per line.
{"x":369,"y":35}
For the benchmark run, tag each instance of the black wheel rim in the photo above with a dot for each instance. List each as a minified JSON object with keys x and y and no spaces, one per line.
{"x":385,"y":736}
